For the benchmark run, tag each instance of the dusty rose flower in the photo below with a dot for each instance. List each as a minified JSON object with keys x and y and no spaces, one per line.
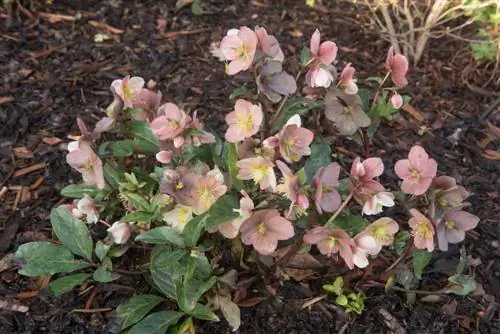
{"x":451,"y":228}
{"x":347,"y":80}
{"x":105,"y":124}
{"x":397,"y":100}
{"x":120,"y":232}
{"x":258,"y":169}
{"x":417,"y":171}
{"x":448,"y":193}
{"x":325,"y":52}
{"x":361,"y":181}
{"x":164,"y":157}
{"x":269,"y":45}
{"x":374,"y":204}
{"x":252,"y":147}
{"x":346,"y":111}
{"x":178,"y":217}
{"x":244,"y":121}
{"x":73,"y":209}
{"x":86,"y":206}
{"x":292,"y":188}
{"x":205,"y":190}
{"x":294,"y":140}
{"x":320,"y":76}
{"x":331,"y":241}
{"x":178,"y":184}
{"x":127,"y":89}
{"x":239,"y":49}
{"x":326,"y":196}
{"x":85,"y":161}
{"x":382,"y":230}
{"x":273,"y":82}
{"x":116,"y":107}
{"x":364,"y":245}
{"x":398,"y":65}
{"x":197,"y":137}
{"x":171,"y":124}
{"x":149,"y":102}
{"x":422,"y":231}
{"x":231,"y":228}
{"x":264,"y":229}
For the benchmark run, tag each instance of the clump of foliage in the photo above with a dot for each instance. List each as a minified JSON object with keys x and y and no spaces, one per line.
{"x":488,"y":18}
{"x":154,"y":175}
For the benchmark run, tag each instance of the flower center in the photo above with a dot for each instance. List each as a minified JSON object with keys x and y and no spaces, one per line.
{"x":259,"y":172}
{"x":347,"y":110}
{"x":423,"y":230}
{"x":183,"y":215}
{"x":442,"y":201}
{"x":179,"y":186}
{"x":245,"y":123}
{"x":242,"y":52}
{"x":173,"y":124}
{"x":127,"y":92}
{"x":449,"y":224}
{"x":206,"y":196}
{"x":88,"y":165}
{"x":332,"y":241}
{"x":380,"y":233}
{"x":414,"y":174}
{"x":261,"y":229}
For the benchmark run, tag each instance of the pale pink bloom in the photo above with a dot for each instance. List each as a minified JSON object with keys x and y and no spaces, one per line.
{"x":398,"y":65}
{"x":171,"y":124}
{"x":325,"y":52}
{"x":364,"y":245}
{"x":116,"y":107}
{"x":127,"y":89}
{"x":264,"y":229}
{"x":397,"y":100}
{"x":231,"y":228}
{"x":244,"y":121}
{"x":325,"y":180}
{"x":382,"y":230}
{"x":85,"y":161}
{"x":331,"y":241}
{"x":196,"y":137}
{"x":448,"y":193}
{"x":269,"y":45}
{"x":361,"y":181}
{"x":375,"y":203}
{"x":422,"y":231}
{"x":258,"y":169}
{"x":319,"y":77}
{"x":72,"y":208}
{"x":205,"y":190}
{"x":149,"y":102}
{"x":452,"y":226}
{"x":294,"y":140}
{"x":417,"y":171}
{"x":347,"y":80}
{"x":239,"y":49}
{"x":292,"y":188}
{"x":178,"y":217}
{"x":120,"y":232}
{"x":164,"y":157}
{"x":86,"y":206}
{"x":105,"y":124}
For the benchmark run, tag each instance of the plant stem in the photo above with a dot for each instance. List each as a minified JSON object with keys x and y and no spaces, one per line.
{"x":339,"y":210}
{"x":282,"y":104}
{"x":379,"y":88}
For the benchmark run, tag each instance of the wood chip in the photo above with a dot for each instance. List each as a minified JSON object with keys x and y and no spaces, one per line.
{"x":6,"y":99}
{"x":418,"y":115}
{"x":30,"y":169}
{"x":51,"y":140}
{"x":391,"y":322}
{"x":22,"y":152}
{"x":491,"y":155}
{"x":56,"y":18}
{"x":12,"y":305}
{"x":105,"y":27}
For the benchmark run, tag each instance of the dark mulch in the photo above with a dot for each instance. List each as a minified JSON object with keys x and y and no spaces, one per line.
{"x":55,"y":72}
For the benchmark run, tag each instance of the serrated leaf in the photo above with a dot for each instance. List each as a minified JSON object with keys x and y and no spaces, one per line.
{"x":192,"y":152}
{"x":67,"y":283}
{"x":232,"y":158}
{"x":167,"y":269}
{"x":421,"y":259}
{"x":192,"y":230}
{"x":42,"y":258}
{"x":191,"y":290}
{"x":203,"y":312}
{"x":222,"y":211}
{"x":156,"y":323}
{"x":137,"y":308}
{"x":79,"y":190}
{"x":121,"y":148}
{"x":138,"y":216}
{"x":73,"y":232}
{"x":352,"y":224}
{"x":162,"y":236}
{"x":320,"y":157}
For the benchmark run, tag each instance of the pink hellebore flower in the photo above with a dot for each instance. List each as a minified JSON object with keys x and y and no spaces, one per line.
{"x":397,"y":100}
{"x":374,"y":204}
{"x":452,"y":226}
{"x":196,"y":138}
{"x":292,"y":188}
{"x":264,"y":229}
{"x":231,"y":228}
{"x":422,"y":230}
{"x":325,"y":180}
{"x":244,"y":121}
{"x":448,"y":193}
{"x":205,"y":192}
{"x":239,"y":49}
{"x":294,"y":140}
{"x":269,"y":45}
{"x":164,"y":157}
{"x":364,"y":245}
{"x":382,"y":231}
{"x":258,"y":169}
{"x":361,"y":181}
{"x":149,"y":102}
{"x":127,"y":89}
{"x":120,"y":232}
{"x":85,"y":161}
{"x":398,"y":65}
{"x":178,"y":217}
{"x":347,"y":80}
{"x":417,"y":171}
{"x":325,"y":52}
{"x":331,"y":241}
{"x":86,"y":206}
{"x":319,"y":76}
{"x":171,"y":124}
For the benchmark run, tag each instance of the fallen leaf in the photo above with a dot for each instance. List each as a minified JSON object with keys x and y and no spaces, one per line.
{"x":431,"y":299}
{"x":491,"y":155}
{"x":493,"y":130}
{"x":418,"y":115}
{"x":22,"y":152}
{"x":51,"y":140}
{"x":251,"y":301}
{"x":6,"y":99}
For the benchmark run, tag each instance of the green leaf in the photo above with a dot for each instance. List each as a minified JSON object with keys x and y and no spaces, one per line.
{"x":192,"y":152}
{"x":203,"y":312}
{"x":232,"y":158}
{"x":223,"y":210}
{"x":121,"y":148}
{"x":163,"y":236}
{"x":138,"y":216}
{"x":421,"y":259}
{"x":299,"y":106}
{"x":191,"y":290}
{"x":192,"y":230}
{"x":156,"y":323}
{"x":112,"y":176}
{"x":79,"y":190}
{"x":101,"y":250}
{"x":67,"y":283}
{"x":305,"y":55}
{"x":104,"y":273}
{"x":136,"y":308}
{"x":341,"y":300}
{"x":400,"y":241}
{"x":141,"y":130}
{"x":167,"y":269}
{"x":241,"y":92}
{"x":196,"y":7}
{"x":352,"y":224}
{"x":320,"y":157}
{"x":461,"y":285}
{"x":42,"y":258}
{"x":138,"y":201}
{"x":73,"y":232}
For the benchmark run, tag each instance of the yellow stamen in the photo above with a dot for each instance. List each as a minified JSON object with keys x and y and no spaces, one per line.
{"x":380,"y":233}
{"x":449,"y":224}
{"x":173,"y":124}
{"x":261,"y":229}
{"x":423,"y":230}
{"x":414,"y":174}
{"x":259,"y":172}
{"x":206,"y":196}
{"x":179,"y":186}
{"x":347,"y":110}
{"x":244,"y":123}
{"x":242,"y":53}
{"x":332,"y":241}
{"x":442,"y":201}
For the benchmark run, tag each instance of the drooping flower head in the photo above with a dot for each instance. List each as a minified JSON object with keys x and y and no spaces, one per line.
{"x":120,"y":232}
{"x":374,"y":203}
{"x":244,"y":121}
{"x":320,"y":76}
{"x":345,"y":111}
{"x":292,"y":188}
{"x":331,"y":241}
{"x":362,"y":181}
{"x":149,"y":102}
{"x":84,"y":160}
{"x":417,"y":171}
{"x":86,"y":206}
{"x":451,"y":228}
{"x":294,"y":140}
{"x":325,"y":52}
{"x":364,"y":245}
{"x":239,"y":48}
{"x":164,"y":157}
{"x":198,"y":137}
{"x":398,"y":65}
{"x":231,"y":228}
{"x":448,"y":193}
{"x":171,"y":124}
{"x":178,"y":217}
{"x":127,"y":88}
{"x":422,"y":231}
{"x":382,"y":230}
{"x":326,"y":196}
{"x":264,"y":229}
{"x":347,"y":80}
{"x":269,"y":45}
{"x":396,"y":100}
{"x":258,"y":169}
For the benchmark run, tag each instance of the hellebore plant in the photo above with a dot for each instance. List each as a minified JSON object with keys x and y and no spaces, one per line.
{"x":266,"y":184}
